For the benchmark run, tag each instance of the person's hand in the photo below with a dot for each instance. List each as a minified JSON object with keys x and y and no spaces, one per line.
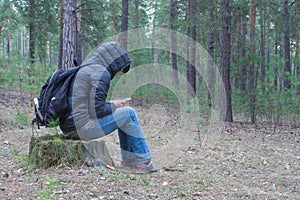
{"x":119,"y":102}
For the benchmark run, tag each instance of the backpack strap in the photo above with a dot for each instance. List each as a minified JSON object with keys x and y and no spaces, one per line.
{"x":46,"y":98}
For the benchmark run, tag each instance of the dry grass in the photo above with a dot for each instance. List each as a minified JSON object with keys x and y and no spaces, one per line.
{"x":236,"y":161}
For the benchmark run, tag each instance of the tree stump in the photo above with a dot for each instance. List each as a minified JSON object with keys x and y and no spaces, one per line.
{"x":55,"y":150}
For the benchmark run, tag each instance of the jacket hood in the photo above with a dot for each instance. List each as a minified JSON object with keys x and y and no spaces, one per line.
{"x":111,"y":55}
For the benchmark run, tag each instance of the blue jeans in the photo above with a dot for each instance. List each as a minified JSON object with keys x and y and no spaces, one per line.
{"x":132,"y":141}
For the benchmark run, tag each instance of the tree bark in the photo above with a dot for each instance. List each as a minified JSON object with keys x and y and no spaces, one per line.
{"x":1,"y":25}
{"x":69,"y":41}
{"x":21,"y":44}
{"x":262,"y":47}
{"x":8,"y":42}
{"x":188,"y":76}
{"x":287,"y":57}
{"x":54,"y":150}
{"x":31,"y":31}
{"x":276,"y":45}
{"x":136,"y":2}
{"x":114,"y":18}
{"x":173,"y":42}
{"x":243,"y":74}
{"x":240,"y":49}
{"x":297,"y":68}
{"x":78,"y":55}
{"x":61,"y":34}
{"x":211,"y":49}
{"x":193,"y":34}
{"x":124,"y":25}
{"x":31,"y":42}
{"x":225,"y":58}
{"x":251,"y":65}
{"x":191,"y":48}
{"x":3,"y":19}
{"x":269,"y":51}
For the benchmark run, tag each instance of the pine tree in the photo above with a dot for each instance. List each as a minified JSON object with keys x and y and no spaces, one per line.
{"x":225,"y":59}
{"x":69,"y":38}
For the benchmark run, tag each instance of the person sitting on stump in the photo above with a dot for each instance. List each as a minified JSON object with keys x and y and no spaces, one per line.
{"x":93,"y":117}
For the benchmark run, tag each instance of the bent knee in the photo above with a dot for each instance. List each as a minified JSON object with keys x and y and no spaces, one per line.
{"x":128,"y":112}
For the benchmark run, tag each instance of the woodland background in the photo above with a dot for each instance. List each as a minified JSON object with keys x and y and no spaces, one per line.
{"x":254,"y":44}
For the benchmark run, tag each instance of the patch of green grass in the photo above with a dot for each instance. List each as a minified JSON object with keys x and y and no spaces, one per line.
{"x":57,"y":139}
{"x":185,"y":189}
{"x":14,"y":119}
{"x":115,"y":176}
{"x":21,"y":119}
{"x":6,"y":119}
{"x":143,"y":181}
{"x":13,"y":151}
{"x":54,"y":123}
{"x":48,"y":193}
{"x":29,"y":166}
{"x":22,"y":159}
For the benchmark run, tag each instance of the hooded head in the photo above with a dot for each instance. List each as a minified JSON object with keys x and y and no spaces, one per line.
{"x":110,"y":55}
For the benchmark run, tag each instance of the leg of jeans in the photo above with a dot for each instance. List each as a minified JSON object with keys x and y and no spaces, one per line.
{"x":132,"y":141}
{"x":133,"y":148}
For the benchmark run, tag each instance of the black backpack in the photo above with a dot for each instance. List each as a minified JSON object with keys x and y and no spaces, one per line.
{"x":52,"y":105}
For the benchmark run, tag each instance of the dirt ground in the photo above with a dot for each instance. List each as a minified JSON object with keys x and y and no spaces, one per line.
{"x":226,"y":161}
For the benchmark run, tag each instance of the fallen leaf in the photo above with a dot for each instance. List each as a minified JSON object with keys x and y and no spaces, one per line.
{"x":165,"y":183}
{"x":110,"y":167}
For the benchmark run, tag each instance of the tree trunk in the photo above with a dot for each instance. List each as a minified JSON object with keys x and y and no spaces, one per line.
{"x":262,"y":47}
{"x":136,"y":2}
{"x":210,"y":61}
{"x":54,"y":150}
{"x":251,"y":65}
{"x":173,"y":42}
{"x":69,"y":41}
{"x":21,"y":44}
{"x":287,"y":58}
{"x":241,"y":44}
{"x":154,"y":53}
{"x":225,"y":58}
{"x":32,"y":34}
{"x":31,"y":42}
{"x":297,"y":68}
{"x":114,"y":18}
{"x":1,"y":25}
{"x":193,"y":34}
{"x":269,"y":51}
{"x":61,"y":34}
{"x":124,"y":25}
{"x":8,"y":41}
{"x":4,"y":18}
{"x":276,"y":45}
{"x":191,"y":48}
{"x":78,"y":55}
{"x":188,"y":76}
{"x":243,"y":75}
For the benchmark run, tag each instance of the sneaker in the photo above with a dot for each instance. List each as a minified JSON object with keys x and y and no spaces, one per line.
{"x":146,"y":168}
{"x":143,"y":168}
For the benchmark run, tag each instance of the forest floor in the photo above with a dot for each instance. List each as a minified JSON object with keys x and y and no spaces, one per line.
{"x":231,"y":161}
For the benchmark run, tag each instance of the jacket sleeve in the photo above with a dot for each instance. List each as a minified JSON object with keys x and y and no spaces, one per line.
{"x":99,"y":88}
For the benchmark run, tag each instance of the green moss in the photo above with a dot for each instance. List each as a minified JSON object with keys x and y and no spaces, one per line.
{"x":54,"y":150}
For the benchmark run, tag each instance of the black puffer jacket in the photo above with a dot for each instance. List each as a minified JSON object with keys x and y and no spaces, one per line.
{"x":91,"y":86}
